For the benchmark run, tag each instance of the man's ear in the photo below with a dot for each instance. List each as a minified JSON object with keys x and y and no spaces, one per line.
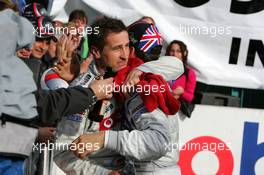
{"x":132,"y":52}
{"x":96,"y":52}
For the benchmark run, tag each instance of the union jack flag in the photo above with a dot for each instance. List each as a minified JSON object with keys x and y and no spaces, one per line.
{"x":150,"y":39}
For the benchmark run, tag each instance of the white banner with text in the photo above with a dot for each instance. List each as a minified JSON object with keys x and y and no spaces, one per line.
{"x":224,"y":38}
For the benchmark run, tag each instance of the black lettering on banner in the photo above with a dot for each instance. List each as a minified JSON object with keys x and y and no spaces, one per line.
{"x":235,"y":46}
{"x":191,"y":3}
{"x":237,"y":6}
{"x":255,"y":46}
{"x":246,"y":7}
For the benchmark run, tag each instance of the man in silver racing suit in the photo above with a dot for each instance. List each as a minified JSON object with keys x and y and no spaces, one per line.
{"x":72,"y":127}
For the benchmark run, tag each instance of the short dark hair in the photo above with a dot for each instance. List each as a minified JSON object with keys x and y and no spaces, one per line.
{"x":105,"y":25}
{"x":183,"y":48}
{"x":146,"y":57}
{"x":78,"y":14}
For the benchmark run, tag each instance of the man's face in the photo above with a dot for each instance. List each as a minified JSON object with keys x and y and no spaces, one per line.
{"x":40,"y":48}
{"x":116,"y":51}
{"x":80,"y":24}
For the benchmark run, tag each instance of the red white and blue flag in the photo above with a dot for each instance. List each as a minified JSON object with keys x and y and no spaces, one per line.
{"x":150,"y":39}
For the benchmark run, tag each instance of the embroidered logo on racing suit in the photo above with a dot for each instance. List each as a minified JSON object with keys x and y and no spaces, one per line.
{"x":75,"y":117}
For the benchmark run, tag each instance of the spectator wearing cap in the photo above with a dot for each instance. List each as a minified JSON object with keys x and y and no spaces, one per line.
{"x":44,"y":30}
{"x":39,"y":61}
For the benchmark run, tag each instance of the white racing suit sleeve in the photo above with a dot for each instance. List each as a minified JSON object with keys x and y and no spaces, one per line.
{"x":70,"y":164}
{"x":169,"y":67}
{"x":53,"y":82}
{"x":146,"y":142}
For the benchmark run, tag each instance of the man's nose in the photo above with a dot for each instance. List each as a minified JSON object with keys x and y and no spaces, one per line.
{"x":44,"y":45}
{"x":124,"y":53}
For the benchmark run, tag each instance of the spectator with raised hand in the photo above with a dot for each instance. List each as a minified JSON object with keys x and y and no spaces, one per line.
{"x":184,"y":86}
{"x":71,"y":125}
{"x":37,"y":57}
{"x":79,"y":18}
{"x":66,"y":53}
